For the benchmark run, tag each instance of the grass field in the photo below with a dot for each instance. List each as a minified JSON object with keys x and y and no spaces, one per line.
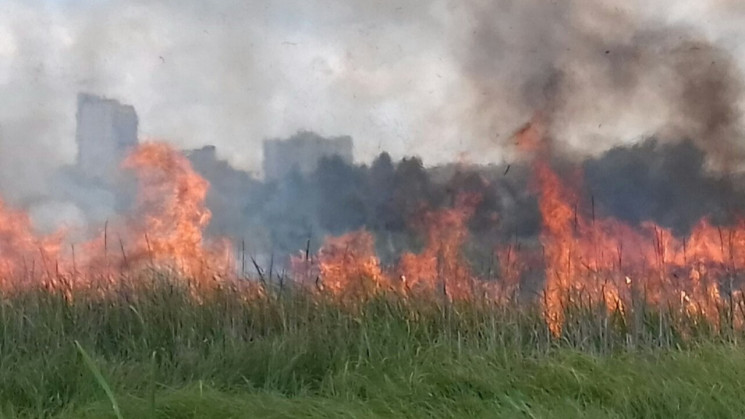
{"x":150,"y":350}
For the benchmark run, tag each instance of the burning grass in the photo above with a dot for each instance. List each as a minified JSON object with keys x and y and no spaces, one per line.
{"x":174,"y":328}
{"x":243,"y":349}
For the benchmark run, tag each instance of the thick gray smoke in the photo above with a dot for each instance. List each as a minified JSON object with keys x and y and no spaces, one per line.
{"x":598,"y":75}
{"x":230,"y":73}
{"x":668,"y":184}
{"x":436,"y":79}
{"x":396,"y":76}
{"x":663,"y":182}
{"x":388,"y":198}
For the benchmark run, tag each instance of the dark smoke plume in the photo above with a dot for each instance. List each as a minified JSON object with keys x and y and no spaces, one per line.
{"x":664,"y":183}
{"x":599,"y":74}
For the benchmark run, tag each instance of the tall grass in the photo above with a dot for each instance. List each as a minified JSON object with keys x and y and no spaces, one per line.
{"x":234,"y":351}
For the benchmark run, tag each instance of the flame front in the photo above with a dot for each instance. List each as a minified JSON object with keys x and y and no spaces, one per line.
{"x":585,"y":257}
{"x":605,"y":260}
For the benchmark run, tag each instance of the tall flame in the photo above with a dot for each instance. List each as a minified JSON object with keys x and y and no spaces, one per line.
{"x":608,"y":261}
{"x":441,"y":265}
{"x":172,"y":214}
{"x":166,"y":231}
{"x":585,"y":257}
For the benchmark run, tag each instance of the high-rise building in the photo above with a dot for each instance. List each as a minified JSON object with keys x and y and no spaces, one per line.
{"x":106,"y":132}
{"x":302,"y":152}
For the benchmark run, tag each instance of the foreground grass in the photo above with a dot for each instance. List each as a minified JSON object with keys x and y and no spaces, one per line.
{"x":165,"y":355}
{"x":706,"y":382}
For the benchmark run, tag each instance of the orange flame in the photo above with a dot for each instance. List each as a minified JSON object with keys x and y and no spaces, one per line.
{"x":345,"y":266}
{"x":584,"y":256}
{"x":167,"y":232}
{"x":608,"y":261}
{"x":22,"y":254}
{"x":441,"y":265}
{"x":172,"y":211}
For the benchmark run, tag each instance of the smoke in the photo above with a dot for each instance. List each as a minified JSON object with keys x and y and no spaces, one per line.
{"x":228,"y":74}
{"x":397,"y":77}
{"x":388,"y":198}
{"x":664,"y":183}
{"x":598,"y":75}
{"x":432,"y":79}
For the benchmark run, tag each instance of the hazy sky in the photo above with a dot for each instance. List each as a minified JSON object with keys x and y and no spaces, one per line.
{"x":232,"y":73}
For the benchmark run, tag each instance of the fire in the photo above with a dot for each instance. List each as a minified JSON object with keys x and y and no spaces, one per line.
{"x":345,"y":266}
{"x":172,"y":214}
{"x":441,"y":265}
{"x":348,"y":265}
{"x":166,"y":232}
{"x":581,"y":255}
{"x":584,"y":256}
{"x":24,"y":257}
{"x":596,"y":258}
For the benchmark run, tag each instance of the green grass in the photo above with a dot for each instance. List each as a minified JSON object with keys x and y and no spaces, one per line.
{"x":437,"y":382}
{"x":155,"y":352}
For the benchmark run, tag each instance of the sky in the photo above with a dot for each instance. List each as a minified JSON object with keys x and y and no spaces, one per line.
{"x":394,"y":75}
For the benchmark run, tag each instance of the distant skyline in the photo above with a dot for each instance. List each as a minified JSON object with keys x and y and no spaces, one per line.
{"x":233,"y":73}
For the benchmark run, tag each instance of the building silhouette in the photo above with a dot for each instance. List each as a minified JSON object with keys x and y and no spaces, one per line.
{"x":302,"y":152}
{"x":106,"y":132}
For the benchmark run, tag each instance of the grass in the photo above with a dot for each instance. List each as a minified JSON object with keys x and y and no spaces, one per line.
{"x":153,"y":351}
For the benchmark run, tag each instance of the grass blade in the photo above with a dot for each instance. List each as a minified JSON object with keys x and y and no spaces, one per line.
{"x":99,"y":377}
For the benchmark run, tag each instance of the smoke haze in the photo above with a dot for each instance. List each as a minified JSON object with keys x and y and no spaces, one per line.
{"x":437,"y":79}
{"x":397,"y":77}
